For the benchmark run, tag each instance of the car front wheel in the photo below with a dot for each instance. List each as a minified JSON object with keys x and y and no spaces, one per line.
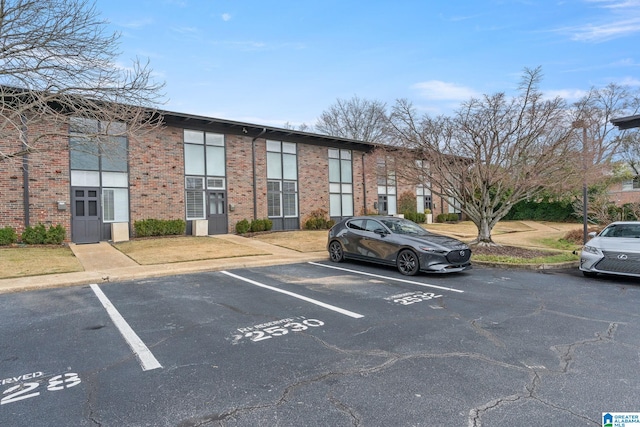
{"x":408,"y":263}
{"x":335,"y":252}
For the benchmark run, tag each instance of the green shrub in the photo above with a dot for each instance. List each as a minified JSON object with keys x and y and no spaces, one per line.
{"x":442,"y":217}
{"x":159,"y":227}
{"x":39,"y":235}
{"x":242,"y":226}
{"x":268,"y":224}
{"x":55,"y":235}
{"x":447,"y":217}
{"x":34,"y":235}
{"x":317,"y":220}
{"x":420,"y":218}
{"x":8,"y":236}
{"x":257,"y":225}
{"x":545,"y":210}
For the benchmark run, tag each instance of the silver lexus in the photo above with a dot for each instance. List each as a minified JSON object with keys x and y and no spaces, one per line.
{"x":615,"y":250}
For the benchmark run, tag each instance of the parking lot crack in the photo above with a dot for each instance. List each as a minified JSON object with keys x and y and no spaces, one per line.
{"x":342,"y":407}
{"x":566,"y":352}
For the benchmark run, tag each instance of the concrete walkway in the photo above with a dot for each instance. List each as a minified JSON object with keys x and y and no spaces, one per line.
{"x":104,"y":263}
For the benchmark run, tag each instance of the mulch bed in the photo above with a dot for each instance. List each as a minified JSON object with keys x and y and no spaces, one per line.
{"x":511,"y":251}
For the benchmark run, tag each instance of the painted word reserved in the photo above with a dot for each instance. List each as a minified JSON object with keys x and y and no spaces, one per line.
{"x":278,"y":328}
{"x":25,"y":390}
{"x":412,"y":297}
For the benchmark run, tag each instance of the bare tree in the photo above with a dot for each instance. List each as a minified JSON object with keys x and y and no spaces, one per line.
{"x":58,"y":61}
{"x":494,"y":152}
{"x":356,"y":118}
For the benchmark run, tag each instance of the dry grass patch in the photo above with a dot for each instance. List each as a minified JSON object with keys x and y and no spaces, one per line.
{"x":181,"y":249}
{"x":301,"y":241}
{"x":36,"y":261}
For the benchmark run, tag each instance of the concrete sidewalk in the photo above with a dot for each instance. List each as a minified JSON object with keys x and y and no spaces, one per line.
{"x":104,"y":263}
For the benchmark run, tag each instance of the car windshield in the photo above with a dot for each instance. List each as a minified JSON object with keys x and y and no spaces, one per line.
{"x":622,"y":230}
{"x":404,"y":227}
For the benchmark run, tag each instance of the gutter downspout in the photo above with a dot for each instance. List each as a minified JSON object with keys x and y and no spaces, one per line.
{"x":25,"y":170}
{"x":364,"y":187}
{"x":253,"y":163}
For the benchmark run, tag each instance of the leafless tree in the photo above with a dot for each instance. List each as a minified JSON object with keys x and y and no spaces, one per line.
{"x":356,"y":118}
{"x":494,"y":152}
{"x":58,"y":60}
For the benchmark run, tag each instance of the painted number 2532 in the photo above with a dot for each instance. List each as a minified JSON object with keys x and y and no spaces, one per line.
{"x":28,"y":390}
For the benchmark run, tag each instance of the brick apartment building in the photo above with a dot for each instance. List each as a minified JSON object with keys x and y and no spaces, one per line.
{"x":210,"y":172}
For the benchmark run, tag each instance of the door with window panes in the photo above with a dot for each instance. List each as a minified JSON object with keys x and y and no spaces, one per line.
{"x":85,"y":215}
{"x":216,"y":207}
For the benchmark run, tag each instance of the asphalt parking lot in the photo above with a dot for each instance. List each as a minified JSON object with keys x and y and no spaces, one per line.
{"x":319,"y":344}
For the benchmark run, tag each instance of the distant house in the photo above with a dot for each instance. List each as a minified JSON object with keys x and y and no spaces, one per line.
{"x":626,"y":191}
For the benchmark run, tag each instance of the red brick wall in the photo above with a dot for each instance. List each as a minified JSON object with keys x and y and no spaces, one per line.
{"x":48,"y":181}
{"x":239,"y":179}
{"x":156,"y":175}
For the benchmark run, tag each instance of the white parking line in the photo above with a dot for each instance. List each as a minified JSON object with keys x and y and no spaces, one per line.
{"x":142,"y":352}
{"x":313,"y":301}
{"x":387,"y":278}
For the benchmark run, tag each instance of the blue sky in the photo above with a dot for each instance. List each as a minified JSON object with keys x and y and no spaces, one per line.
{"x":272,"y":62}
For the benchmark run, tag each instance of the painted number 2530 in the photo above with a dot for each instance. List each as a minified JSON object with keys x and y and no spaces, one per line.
{"x":265,"y":333}
{"x":28,"y":390}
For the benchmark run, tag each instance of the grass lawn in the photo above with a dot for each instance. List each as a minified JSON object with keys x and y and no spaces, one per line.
{"x":181,"y":249}
{"x":35,"y":261}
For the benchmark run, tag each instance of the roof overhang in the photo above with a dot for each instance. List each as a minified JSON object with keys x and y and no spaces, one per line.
{"x":629,"y":122}
{"x":264,"y":132}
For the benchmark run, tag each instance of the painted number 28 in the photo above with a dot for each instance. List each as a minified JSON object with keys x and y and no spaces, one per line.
{"x":28,"y":390}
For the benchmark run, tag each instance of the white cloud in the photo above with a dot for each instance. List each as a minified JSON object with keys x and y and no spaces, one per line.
{"x":439,"y":90}
{"x":604,"y":32}
{"x":617,"y":18}
{"x":566,"y":94}
{"x":226,"y":17}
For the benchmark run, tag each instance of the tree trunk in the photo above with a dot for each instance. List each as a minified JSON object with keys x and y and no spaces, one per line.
{"x":484,"y":232}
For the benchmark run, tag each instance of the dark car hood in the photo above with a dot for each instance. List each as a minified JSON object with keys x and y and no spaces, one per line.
{"x":436,"y":240}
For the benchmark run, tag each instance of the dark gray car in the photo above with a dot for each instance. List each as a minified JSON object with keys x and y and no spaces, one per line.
{"x":399,"y":242}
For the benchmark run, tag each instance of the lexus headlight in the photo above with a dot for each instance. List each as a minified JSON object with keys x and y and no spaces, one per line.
{"x":591,"y":249}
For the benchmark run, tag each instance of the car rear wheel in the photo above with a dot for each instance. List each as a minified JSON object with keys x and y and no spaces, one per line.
{"x":408,"y":263}
{"x":335,"y":252}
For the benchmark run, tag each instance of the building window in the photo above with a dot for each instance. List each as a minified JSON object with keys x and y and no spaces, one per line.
{"x":204,"y":162}
{"x":282,"y":179}
{"x":98,"y":158}
{"x":387,"y":193}
{"x":632,"y":184}
{"x":423,"y":199}
{"x":340,"y":183}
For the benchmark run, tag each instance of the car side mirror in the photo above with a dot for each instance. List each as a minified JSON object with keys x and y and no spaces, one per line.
{"x":592,"y":234}
{"x":381,"y":231}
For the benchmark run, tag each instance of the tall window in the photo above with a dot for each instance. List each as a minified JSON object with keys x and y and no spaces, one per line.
{"x":98,"y":156}
{"x":204,"y":169}
{"x":282,"y":179}
{"x":423,"y":190}
{"x":340,"y":183}
{"x":386,"y":176}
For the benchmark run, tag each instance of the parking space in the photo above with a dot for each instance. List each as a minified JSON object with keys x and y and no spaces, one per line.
{"x":320,"y":343}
